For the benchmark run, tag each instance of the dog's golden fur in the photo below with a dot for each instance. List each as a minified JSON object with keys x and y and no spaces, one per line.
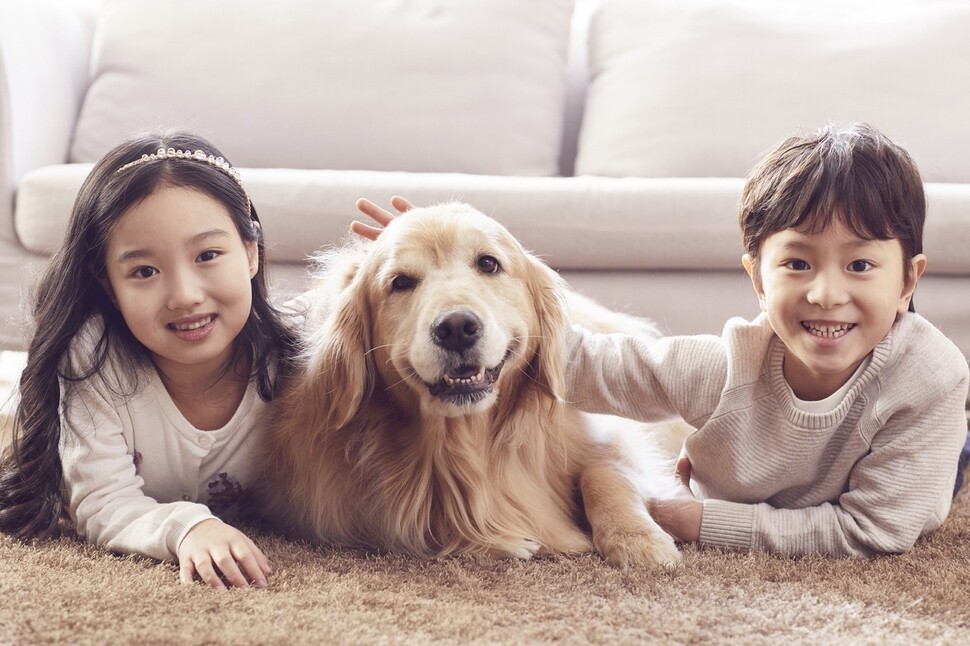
{"x":400,"y":435}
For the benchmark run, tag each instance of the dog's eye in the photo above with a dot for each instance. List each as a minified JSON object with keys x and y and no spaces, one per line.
{"x":403,"y":283}
{"x":489,"y":265}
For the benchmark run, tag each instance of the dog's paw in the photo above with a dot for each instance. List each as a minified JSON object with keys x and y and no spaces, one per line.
{"x":515,"y":548}
{"x":639,"y":548}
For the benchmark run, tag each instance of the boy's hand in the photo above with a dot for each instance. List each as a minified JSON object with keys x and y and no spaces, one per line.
{"x":681,"y":516}
{"x":379,"y":215}
{"x":682,"y":471}
{"x":212,"y":548}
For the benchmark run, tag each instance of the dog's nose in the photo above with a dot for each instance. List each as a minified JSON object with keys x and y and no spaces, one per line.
{"x":456,"y":330}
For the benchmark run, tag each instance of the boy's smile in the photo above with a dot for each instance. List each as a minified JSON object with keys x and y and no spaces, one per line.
{"x":830,"y":297}
{"x":827,"y":331}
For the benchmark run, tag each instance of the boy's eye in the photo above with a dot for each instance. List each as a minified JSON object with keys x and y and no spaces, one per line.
{"x":860,"y":265}
{"x":797,"y":265}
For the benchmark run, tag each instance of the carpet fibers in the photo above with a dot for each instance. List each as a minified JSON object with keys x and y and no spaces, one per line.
{"x":66,"y":592}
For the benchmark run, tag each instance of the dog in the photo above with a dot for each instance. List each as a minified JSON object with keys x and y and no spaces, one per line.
{"x":428,"y":419}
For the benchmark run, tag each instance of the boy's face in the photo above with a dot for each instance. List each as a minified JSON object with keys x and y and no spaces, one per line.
{"x":830,"y":297}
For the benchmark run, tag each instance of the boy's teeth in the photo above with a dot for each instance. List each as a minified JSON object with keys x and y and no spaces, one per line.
{"x":829,"y":331}
{"x":185,"y":327}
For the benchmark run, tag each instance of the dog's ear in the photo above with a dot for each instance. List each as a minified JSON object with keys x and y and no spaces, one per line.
{"x":339,"y":376}
{"x":548,"y":364}
{"x":333,"y":269}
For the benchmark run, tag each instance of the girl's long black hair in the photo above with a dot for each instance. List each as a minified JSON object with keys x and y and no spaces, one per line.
{"x":69,"y":294}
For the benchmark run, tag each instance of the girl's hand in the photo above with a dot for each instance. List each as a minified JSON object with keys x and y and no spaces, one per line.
{"x":379,"y":215}
{"x":680,"y":516}
{"x":212,"y":548}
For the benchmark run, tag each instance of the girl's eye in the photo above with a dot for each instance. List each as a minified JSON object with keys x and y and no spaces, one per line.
{"x":403,"y":283}
{"x":489,"y":265}
{"x":797,"y":265}
{"x":144,"y":272}
{"x":860,"y":265}
{"x":208,"y":255}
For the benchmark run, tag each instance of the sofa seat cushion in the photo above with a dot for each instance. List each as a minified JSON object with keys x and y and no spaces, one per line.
{"x":572,"y":222}
{"x":586,"y":223}
{"x":423,"y":85}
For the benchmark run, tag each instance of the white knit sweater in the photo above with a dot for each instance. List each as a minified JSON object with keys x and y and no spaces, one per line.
{"x":138,"y":475}
{"x":870,"y":476}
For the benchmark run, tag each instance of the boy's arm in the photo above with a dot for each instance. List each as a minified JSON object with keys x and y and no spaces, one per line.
{"x":901,"y":489}
{"x":645,"y":379}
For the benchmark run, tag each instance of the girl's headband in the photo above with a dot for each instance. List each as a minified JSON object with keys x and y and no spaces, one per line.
{"x":198,"y":155}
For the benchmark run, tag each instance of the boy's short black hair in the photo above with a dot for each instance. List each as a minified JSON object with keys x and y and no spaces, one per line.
{"x":853,"y":174}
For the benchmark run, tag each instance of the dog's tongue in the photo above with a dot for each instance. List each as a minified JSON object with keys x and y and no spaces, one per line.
{"x":463,"y":372}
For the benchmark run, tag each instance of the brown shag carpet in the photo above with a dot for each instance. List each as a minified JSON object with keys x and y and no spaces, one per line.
{"x":66,"y":592}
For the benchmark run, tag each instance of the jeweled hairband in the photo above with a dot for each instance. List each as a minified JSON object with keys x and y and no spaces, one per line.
{"x":198,"y":155}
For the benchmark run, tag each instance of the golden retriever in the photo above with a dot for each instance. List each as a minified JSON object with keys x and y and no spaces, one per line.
{"x":429,"y":417}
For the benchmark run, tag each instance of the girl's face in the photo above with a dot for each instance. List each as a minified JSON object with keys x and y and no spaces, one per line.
{"x":830,"y":297}
{"x":180,"y":274}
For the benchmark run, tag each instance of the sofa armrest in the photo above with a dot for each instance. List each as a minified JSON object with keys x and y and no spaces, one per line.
{"x":45,"y":51}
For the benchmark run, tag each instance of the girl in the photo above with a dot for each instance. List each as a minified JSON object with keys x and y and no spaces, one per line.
{"x":154,"y":353}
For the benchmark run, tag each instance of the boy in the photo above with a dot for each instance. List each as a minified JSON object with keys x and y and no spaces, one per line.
{"x":833,"y":422}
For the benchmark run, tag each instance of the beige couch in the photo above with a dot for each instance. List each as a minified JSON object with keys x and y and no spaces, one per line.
{"x":615,"y":146}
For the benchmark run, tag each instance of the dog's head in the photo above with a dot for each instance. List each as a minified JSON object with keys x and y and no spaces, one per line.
{"x":445,"y":311}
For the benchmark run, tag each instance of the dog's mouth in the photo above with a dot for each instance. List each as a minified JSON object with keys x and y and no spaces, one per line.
{"x":467,"y":383}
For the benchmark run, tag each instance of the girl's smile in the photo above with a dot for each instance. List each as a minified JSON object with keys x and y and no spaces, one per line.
{"x":194,"y":328}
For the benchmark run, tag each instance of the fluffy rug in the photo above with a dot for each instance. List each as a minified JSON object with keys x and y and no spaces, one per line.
{"x":67,"y":592}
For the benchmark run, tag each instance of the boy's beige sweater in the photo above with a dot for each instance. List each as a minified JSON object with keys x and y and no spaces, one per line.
{"x":869,"y":477}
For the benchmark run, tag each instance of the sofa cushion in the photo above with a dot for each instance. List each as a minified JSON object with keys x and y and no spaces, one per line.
{"x":572,"y":222}
{"x":424,"y":85}
{"x":698,"y":88}
{"x":576,"y":223}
